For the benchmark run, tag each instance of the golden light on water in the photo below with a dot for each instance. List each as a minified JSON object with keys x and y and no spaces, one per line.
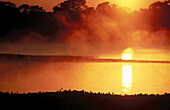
{"x":127,"y":71}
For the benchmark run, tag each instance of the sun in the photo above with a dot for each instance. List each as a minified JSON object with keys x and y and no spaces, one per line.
{"x":127,"y":54}
{"x":127,"y":57}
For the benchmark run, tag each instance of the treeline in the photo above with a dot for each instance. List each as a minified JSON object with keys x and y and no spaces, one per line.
{"x":72,"y":15}
{"x":82,"y":92}
{"x":82,"y":100}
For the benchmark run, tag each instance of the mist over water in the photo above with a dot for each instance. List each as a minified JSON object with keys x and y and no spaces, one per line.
{"x":107,"y":29}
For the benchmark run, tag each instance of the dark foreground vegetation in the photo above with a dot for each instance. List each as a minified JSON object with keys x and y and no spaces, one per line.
{"x":81,"y":100}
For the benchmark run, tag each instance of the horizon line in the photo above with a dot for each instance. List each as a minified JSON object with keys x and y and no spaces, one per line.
{"x":88,"y":58}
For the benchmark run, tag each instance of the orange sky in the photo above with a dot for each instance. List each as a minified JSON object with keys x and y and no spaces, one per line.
{"x":49,"y":4}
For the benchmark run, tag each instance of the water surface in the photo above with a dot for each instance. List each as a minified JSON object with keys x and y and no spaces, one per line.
{"x":119,"y":78}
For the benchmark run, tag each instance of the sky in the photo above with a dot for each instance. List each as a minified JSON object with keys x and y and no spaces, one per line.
{"x":49,"y":4}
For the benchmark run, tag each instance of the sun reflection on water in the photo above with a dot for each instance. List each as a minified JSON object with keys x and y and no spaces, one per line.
{"x":127,"y":78}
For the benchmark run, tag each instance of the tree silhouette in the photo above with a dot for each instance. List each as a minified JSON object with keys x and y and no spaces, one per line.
{"x":9,"y":17}
{"x":10,"y":4}
{"x":71,"y":5}
{"x":56,"y":8}
{"x":159,"y":12}
{"x":24,"y":8}
{"x":36,"y":9}
{"x":103,"y":6}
